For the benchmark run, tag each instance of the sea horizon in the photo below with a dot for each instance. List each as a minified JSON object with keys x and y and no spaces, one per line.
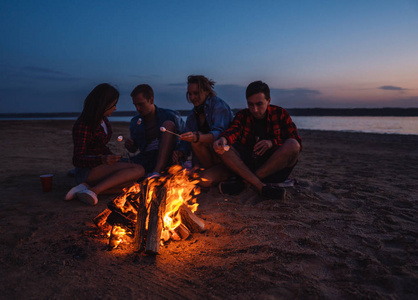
{"x":363,"y":124}
{"x":383,"y":111}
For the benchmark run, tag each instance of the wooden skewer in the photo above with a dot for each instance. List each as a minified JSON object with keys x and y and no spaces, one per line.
{"x":163,"y":129}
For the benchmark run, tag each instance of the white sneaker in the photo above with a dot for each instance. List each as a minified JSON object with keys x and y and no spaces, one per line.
{"x":71,"y":193}
{"x":87,"y":196}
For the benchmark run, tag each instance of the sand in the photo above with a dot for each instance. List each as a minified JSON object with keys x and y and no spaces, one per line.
{"x":347,"y":230}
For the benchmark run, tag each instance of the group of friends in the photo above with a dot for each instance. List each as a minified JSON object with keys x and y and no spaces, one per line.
{"x":257,"y":148}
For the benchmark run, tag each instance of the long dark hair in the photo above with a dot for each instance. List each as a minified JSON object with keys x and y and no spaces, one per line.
{"x":96,"y":103}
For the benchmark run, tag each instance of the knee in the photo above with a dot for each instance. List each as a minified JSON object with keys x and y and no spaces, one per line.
{"x":199,"y":147}
{"x":169,"y":125}
{"x":139,"y":170}
{"x":207,"y":183}
{"x":292,"y":146}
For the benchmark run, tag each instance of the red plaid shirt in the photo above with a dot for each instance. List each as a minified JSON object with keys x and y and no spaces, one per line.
{"x":280,"y":127}
{"x":90,"y":144}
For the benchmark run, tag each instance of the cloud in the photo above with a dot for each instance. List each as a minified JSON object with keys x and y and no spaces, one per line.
{"x":40,"y":73}
{"x":38,"y":70}
{"x":296,"y":92}
{"x":392,"y":88}
{"x":183,"y":84}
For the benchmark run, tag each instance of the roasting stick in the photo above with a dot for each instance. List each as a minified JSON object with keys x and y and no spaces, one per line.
{"x":163,"y":129}
{"x":120,"y":139}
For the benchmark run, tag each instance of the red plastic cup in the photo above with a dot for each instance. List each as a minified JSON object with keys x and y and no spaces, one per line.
{"x":46,"y":181}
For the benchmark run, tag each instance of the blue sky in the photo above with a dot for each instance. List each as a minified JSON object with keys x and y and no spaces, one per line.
{"x":311,"y":53}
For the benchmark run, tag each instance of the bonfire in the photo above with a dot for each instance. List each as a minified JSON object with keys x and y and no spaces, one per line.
{"x":154,"y":212}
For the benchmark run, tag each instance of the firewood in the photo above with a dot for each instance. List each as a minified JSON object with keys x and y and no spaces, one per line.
{"x":182,"y":231}
{"x":190,"y":220}
{"x":101,"y":218}
{"x":156,"y":222}
{"x":120,"y":219}
{"x":141,"y":218}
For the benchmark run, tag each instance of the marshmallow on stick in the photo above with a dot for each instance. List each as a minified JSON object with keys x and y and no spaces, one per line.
{"x":163,"y":129}
{"x":226,"y":147}
{"x":120,"y":139}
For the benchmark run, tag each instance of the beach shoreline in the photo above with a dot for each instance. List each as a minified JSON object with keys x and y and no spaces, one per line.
{"x":348,"y":229}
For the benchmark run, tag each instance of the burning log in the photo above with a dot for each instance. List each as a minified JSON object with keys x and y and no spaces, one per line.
{"x":182,"y":231}
{"x":100,"y":220}
{"x":141,"y":218}
{"x":190,"y":220}
{"x":156,"y":222}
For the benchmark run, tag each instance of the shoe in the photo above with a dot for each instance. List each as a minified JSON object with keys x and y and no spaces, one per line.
{"x":271,"y":191}
{"x":71,"y":193}
{"x":231,"y":187}
{"x":87,"y":196}
{"x":153,"y":175}
{"x":287,"y":183}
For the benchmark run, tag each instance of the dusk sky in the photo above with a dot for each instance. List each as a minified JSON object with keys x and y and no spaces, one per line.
{"x":336,"y":54}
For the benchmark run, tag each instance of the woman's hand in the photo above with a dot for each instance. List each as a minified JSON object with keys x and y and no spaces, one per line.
{"x":188,"y":137}
{"x":262,"y":146}
{"x":110,"y":159}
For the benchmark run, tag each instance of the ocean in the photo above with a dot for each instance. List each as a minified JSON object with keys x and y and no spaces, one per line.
{"x":384,"y":125}
{"x":368,"y":124}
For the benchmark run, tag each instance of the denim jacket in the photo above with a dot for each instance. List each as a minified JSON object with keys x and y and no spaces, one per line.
{"x":218,"y":115}
{"x":137,"y":125}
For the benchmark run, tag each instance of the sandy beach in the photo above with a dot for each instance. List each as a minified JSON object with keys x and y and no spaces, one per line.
{"x":347,"y":230}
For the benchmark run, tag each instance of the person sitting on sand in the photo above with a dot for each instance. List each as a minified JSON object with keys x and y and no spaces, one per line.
{"x":156,"y":147}
{"x":97,"y":168}
{"x":265,"y":145}
{"x":209,"y":117}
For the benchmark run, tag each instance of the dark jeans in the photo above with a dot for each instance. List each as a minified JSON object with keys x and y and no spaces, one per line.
{"x":254,"y":162}
{"x":147,"y":159}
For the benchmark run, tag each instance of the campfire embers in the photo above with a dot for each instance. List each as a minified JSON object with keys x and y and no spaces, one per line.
{"x":153,"y":212}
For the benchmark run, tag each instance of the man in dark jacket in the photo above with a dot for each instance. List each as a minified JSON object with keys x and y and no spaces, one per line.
{"x":155,"y":147}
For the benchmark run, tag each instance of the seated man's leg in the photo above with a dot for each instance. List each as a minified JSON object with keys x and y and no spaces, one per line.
{"x":204,"y":154}
{"x":166,"y":146}
{"x":233,"y":161}
{"x":284,"y":157}
{"x":212,"y":176}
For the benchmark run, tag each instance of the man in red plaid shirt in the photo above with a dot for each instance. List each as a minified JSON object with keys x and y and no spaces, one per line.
{"x":265,"y":145}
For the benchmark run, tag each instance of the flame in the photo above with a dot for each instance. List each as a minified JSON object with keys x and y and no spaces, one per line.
{"x":116,"y":236}
{"x":180,"y":190}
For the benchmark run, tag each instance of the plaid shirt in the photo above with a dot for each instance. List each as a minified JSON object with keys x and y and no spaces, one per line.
{"x":280,"y":127}
{"x":90,"y":144}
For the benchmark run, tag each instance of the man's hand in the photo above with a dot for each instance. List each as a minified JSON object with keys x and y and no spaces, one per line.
{"x":262,"y":146}
{"x":219,"y":145}
{"x":129,"y":144}
{"x":110,"y":159}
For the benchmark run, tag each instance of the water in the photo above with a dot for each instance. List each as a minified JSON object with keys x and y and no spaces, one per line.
{"x":395,"y":125}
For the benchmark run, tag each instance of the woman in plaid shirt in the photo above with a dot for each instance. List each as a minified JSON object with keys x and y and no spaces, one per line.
{"x":97,"y":168}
